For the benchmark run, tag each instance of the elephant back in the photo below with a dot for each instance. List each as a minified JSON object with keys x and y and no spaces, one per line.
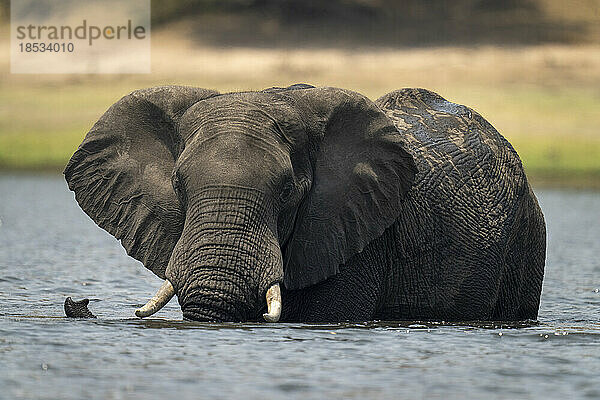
{"x":469,"y":194}
{"x":457,"y":152}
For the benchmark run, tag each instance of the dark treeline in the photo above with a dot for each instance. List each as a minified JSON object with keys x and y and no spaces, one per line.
{"x":163,"y":11}
{"x":369,"y":22}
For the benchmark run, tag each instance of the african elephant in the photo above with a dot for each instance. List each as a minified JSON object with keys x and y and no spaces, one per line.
{"x":315,"y":204}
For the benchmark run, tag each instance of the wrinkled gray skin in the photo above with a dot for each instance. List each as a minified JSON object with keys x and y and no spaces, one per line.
{"x":411,"y":207}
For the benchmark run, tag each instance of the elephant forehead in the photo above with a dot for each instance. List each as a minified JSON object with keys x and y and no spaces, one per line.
{"x":259,"y":114}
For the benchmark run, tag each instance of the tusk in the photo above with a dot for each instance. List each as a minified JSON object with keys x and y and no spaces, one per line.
{"x":273,"y":304}
{"x":160,"y":299}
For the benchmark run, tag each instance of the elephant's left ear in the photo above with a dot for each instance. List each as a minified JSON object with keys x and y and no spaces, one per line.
{"x":121,"y":173}
{"x":361,"y":174}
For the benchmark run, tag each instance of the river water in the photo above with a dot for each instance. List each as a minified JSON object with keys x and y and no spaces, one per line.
{"x":49,"y":250}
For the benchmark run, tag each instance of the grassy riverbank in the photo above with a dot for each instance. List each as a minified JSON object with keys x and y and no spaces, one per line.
{"x":544,"y":99}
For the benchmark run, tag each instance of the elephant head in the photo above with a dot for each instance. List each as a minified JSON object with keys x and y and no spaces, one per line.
{"x":227,"y":196}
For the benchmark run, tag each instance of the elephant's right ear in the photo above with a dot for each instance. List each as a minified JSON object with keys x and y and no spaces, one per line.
{"x":121,"y":172}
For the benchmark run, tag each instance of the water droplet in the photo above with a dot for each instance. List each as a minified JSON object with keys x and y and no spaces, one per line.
{"x":499,"y":333}
{"x":597,"y":290}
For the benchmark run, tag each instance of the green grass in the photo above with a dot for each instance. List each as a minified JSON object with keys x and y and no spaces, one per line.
{"x":561,"y":161}
{"x":38,"y":151}
{"x":555,"y":131}
{"x":41,"y":126}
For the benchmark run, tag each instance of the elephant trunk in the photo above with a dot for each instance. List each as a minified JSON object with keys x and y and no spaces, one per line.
{"x":228,"y":260}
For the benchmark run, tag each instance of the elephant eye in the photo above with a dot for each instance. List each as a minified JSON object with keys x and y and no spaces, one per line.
{"x":286,"y":192}
{"x":177,"y":186}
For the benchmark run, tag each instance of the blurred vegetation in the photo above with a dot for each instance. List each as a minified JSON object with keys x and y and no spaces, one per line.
{"x":388,"y":22}
{"x":382,"y":22}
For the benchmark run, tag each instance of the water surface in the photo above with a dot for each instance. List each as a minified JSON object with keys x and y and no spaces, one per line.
{"x":49,"y":250}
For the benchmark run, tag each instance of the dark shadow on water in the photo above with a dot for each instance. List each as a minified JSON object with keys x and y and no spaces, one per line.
{"x":538,"y":331}
{"x":386,"y":325}
{"x":159,"y":323}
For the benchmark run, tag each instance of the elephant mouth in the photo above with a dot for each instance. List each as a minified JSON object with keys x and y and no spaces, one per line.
{"x":194,"y":311}
{"x":212,"y":309}
{"x":206,"y":309}
{"x":202,"y":314}
{"x":217,"y":311}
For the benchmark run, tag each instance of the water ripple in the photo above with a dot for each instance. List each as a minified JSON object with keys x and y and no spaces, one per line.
{"x":49,"y":250}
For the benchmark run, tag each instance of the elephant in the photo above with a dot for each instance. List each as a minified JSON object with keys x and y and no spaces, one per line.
{"x":315,"y":204}
{"x":77,"y":309}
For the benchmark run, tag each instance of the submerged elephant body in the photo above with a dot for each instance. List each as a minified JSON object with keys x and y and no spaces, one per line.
{"x":411,"y":207}
{"x":470,"y":240}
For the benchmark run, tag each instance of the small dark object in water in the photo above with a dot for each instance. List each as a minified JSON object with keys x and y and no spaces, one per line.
{"x":78,"y":309}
